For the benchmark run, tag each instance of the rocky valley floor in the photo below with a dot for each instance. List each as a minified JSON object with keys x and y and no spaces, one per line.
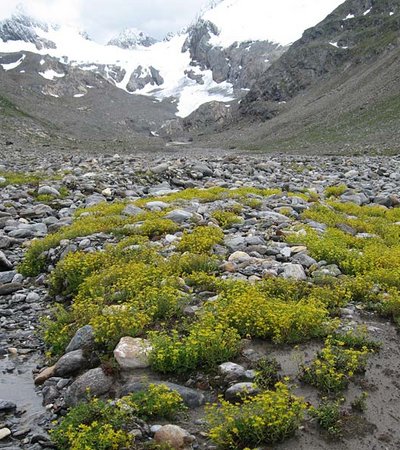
{"x":270,"y":281}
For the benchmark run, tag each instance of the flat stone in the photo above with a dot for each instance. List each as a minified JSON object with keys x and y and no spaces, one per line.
{"x":9,"y":288}
{"x":179,"y":216}
{"x":132,"y":210}
{"x":240,"y":390}
{"x":160,"y":168}
{"x":44,"y":375}
{"x":236,"y":243}
{"x":156,"y":206}
{"x":303,"y":259}
{"x":273,"y":218}
{"x":7,"y":406}
{"x":7,"y":277}
{"x":133,"y":353}
{"x":48,"y":190}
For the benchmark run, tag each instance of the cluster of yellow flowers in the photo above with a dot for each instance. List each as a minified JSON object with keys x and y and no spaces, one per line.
{"x":226,"y":219}
{"x":335,"y":365}
{"x":105,"y":425}
{"x":267,"y":418}
{"x":201,"y":240}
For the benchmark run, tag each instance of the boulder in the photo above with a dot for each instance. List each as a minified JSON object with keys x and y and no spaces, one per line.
{"x":83,"y":339}
{"x":179,"y":215}
{"x":240,"y":390}
{"x":133,"y":353}
{"x":294,"y":271}
{"x":231,"y":371}
{"x":70,"y":364}
{"x":176,"y":437}
{"x":95,"y":381}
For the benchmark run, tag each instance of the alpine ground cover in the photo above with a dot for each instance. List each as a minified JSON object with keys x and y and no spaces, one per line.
{"x":140,"y":286}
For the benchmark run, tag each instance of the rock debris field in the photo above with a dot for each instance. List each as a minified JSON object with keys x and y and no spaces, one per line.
{"x":202,"y":301}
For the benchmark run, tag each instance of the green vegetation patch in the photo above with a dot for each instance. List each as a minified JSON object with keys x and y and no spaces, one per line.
{"x":335,"y":365}
{"x":106,"y":425}
{"x":30,"y":178}
{"x":268,"y":418}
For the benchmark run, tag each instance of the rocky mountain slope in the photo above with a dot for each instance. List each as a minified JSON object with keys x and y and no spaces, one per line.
{"x":217,"y":58}
{"x":335,"y":88}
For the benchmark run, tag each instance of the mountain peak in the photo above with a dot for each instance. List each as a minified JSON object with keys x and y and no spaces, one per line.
{"x":131,"y":38}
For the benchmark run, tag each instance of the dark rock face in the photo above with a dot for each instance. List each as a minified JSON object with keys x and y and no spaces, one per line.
{"x":357,"y":31}
{"x":240,"y":64}
{"x":142,"y":77}
{"x":212,"y":114}
{"x":22,"y":28}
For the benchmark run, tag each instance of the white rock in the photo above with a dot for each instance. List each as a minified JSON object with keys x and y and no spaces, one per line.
{"x":231,"y":370}
{"x":4,"y":433}
{"x":176,"y":437}
{"x":239,"y":256}
{"x":48,"y":190}
{"x":294,"y":271}
{"x":133,"y":353}
{"x":107,"y":192}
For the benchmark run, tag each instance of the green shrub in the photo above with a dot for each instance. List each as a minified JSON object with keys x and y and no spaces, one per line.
{"x":125,"y":299}
{"x":254,"y":312}
{"x":207,"y":344}
{"x":360,"y":403}
{"x":267,"y":373}
{"x":158,"y":227}
{"x":335,"y":191}
{"x":268,"y":418}
{"x":156,"y":402}
{"x":30,"y":178}
{"x":334,"y":366}
{"x":190,"y":263}
{"x":94,"y":425}
{"x":329,"y":417}
{"x":57,"y":329}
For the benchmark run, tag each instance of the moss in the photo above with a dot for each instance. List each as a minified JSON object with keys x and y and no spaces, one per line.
{"x":335,"y":191}
{"x":30,"y":178}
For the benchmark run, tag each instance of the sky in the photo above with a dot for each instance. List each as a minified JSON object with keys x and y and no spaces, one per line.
{"x":104,"y":19}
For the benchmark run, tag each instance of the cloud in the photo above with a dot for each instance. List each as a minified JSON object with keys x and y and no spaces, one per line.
{"x":105,"y":18}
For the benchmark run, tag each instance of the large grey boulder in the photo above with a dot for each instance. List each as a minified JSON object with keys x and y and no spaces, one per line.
{"x":95,"y":381}
{"x":83,"y":339}
{"x":70,"y":364}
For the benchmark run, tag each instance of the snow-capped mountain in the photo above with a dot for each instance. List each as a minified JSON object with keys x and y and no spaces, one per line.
{"x":131,"y":38}
{"x":217,"y":58}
